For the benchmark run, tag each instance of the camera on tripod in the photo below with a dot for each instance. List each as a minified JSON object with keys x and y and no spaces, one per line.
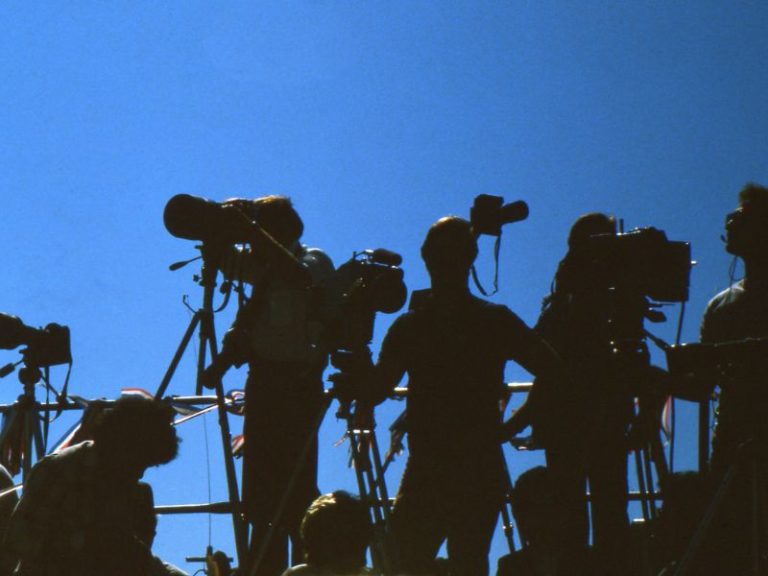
{"x":45,"y":347}
{"x":644,"y":261}
{"x":370,"y":282}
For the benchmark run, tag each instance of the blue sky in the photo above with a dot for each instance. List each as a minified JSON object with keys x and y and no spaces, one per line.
{"x":376,"y":118}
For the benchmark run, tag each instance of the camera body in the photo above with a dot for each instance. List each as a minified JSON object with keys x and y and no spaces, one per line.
{"x":45,"y":347}
{"x":645,"y":261}
{"x":489,"y":213}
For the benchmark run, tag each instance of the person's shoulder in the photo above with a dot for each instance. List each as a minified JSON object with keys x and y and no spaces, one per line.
{"x":79,"y":450}
{"x":725,"y":297}
{"x":494,"y":310}
{"x":487,"y":305}
{"x":407,"y":320}
{"x":78,"y":456}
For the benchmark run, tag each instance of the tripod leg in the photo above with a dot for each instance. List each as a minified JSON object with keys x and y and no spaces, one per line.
{"x":365,"y":438}
{"x":379,"y":481}
{"x":379,"y":506}
{"x":37,"y":434}
{"x":8,"y":426}
{"x":207,"y":335}
{"x":649,"y":481}
{"x":372,"y":490}
{"x":367,"y":494}
{"x":28,"y":435}
{"x":179,"y":353}
{"x":506,"y":517}
{"x":641,"y":484}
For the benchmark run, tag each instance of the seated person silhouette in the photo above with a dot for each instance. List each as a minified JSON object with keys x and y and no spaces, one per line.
{"x":84,"y":510}
{"x":335,"y":532}
{"x":540,"y":528}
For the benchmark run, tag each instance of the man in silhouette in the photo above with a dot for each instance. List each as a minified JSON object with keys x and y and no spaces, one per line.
{"x":737,"y":313}
{"x":741,"y":312}
{"x":84,"y":510}
{"x":279,"y":332}
{"x":454,"y":347}
{"x":583,"y":427}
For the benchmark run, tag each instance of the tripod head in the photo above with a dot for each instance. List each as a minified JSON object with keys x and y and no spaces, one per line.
{"x":45,"y":347}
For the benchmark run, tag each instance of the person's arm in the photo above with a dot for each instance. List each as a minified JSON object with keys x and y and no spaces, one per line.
{"x":532,"y":352}
{"x":690,"y":372}
{"x":391,"y":365}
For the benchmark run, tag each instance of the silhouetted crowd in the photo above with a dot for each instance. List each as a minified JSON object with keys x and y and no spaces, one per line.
{"x":596,"y":399}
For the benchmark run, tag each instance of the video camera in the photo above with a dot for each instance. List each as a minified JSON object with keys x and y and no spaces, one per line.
{"x":46,"y":347}
{"x":644,"y":260}
{"x":371,"y":281}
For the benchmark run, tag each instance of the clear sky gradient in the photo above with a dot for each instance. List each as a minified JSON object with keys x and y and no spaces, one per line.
{"x":376,"y":118}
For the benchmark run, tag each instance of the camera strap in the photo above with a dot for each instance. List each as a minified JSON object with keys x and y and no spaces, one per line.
{"x":473,"y":270}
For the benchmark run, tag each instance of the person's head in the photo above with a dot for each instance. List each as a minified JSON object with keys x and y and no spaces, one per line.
{"x":533,"y":507}
{"x":335,"y":531}
{"x":746,"y":228}
{"x":590,"y":224}
{"x":279,"y":218}
{"x":449,"y":249}
{"x":137,"y":433}
{"x":580,"y":270}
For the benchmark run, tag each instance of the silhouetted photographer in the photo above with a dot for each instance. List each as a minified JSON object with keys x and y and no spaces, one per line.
{"x":84,"y":510}
{"x":594,"y":318}
{"x":454,"y":347}
{"x":279,"y":332}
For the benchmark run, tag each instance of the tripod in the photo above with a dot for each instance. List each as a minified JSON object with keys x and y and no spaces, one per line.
{"x":628,"y":311}
{"x":369,"y":471}
{"x":26,"y":411}
{"x":203,"y":318}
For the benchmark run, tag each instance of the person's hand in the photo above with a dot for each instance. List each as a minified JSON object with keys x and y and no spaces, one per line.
{"x":516,"y":423}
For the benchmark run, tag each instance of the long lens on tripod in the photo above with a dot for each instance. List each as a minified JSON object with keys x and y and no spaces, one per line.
{"x":195,"y":218}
